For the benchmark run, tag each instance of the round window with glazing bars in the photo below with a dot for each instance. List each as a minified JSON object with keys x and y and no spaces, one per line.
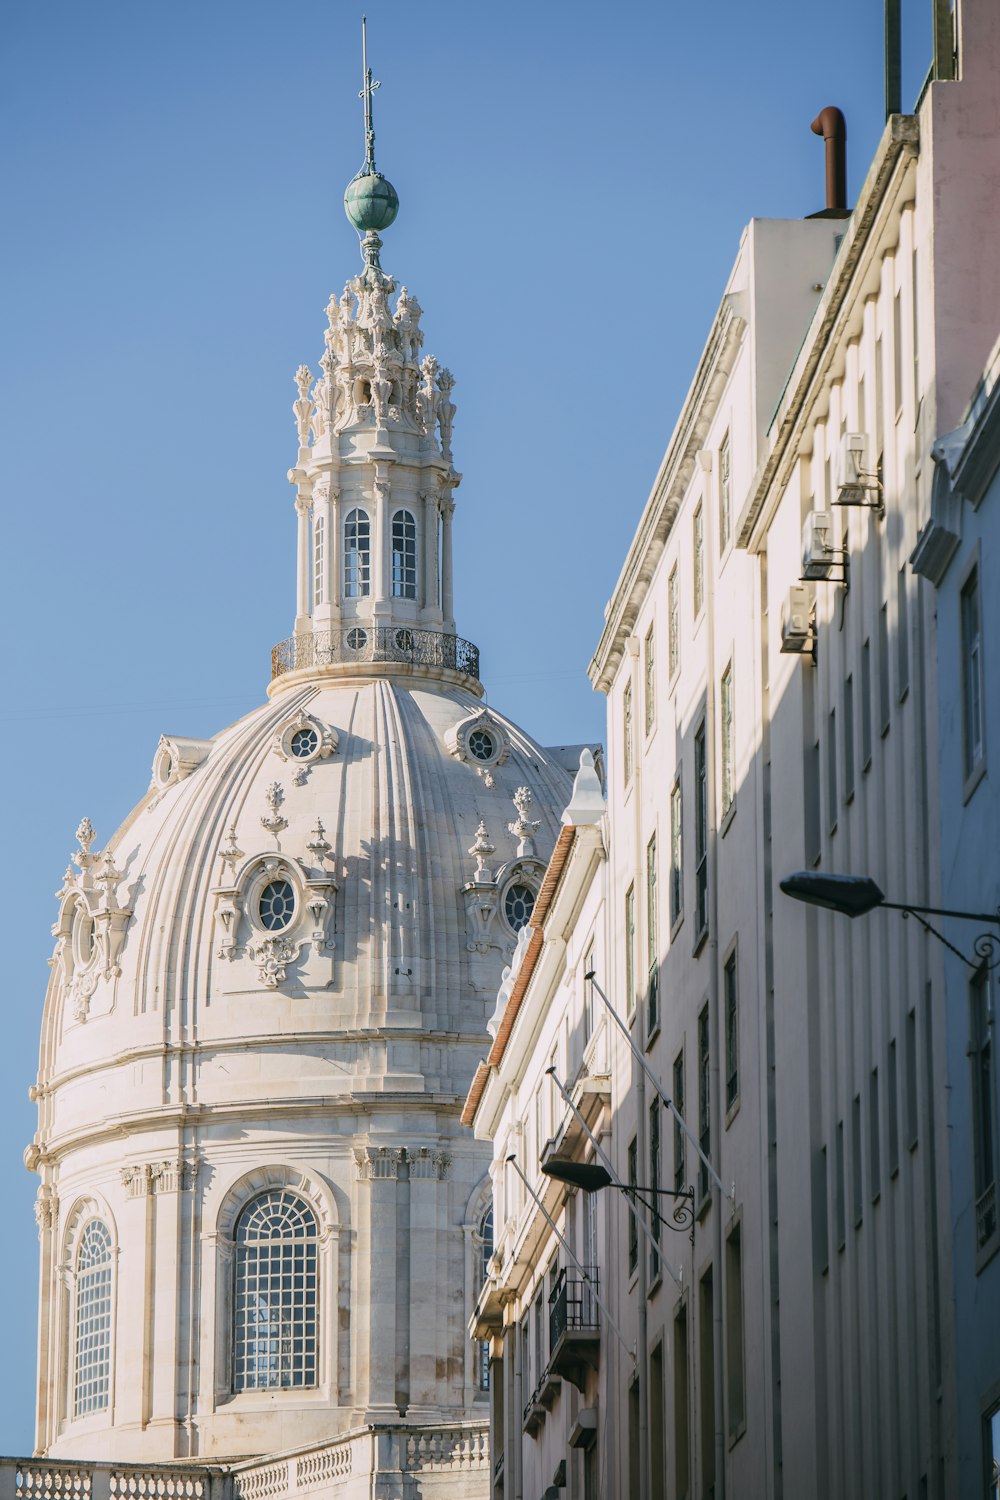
{"x":357,"y":639}
{"x":304,"y":742}
{"x":482,"y":745}
{"x":276,"y":905}
{"x":518,"y":904}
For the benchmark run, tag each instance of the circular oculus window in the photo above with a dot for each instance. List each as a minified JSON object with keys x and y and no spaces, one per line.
{"x":518,"y":904}
{"x":357,"y":640}
{"x":404,"y":640}
{"x":482,"y":745}
{"x":276,"y":905}
{"x":304,"y":742}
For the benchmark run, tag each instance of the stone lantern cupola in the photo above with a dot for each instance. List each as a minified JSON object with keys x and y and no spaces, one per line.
{"x":374,"y":479}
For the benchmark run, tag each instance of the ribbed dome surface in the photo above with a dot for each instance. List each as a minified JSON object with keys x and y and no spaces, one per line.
{"x":399,"y":811}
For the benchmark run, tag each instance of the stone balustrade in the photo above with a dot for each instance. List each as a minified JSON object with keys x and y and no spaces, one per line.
{"x":445,"y":1457}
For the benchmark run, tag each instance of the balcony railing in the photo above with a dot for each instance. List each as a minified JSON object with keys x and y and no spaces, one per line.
{"x":574,"y":1326}
{"x":356,"y":645}
{"x":986,"y":1216}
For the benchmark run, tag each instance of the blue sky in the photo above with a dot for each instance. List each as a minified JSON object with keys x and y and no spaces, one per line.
{"x":574,"y":179}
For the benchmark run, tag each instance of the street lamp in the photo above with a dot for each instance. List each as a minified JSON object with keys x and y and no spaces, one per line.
{"x":856,"y":895}
{"x":592,"y":1176}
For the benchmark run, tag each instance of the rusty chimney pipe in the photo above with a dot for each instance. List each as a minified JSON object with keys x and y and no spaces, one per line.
{"x":830,"y":124}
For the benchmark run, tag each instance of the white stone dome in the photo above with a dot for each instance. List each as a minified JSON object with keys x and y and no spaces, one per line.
{"x":270,"y":989}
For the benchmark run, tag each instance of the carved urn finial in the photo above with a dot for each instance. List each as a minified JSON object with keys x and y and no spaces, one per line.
{"x":524,"y":828}
{"x":481,"y":851}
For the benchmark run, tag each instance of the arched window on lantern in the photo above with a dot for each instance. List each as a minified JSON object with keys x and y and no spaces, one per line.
{"x":92,"y":1361}
{"x":357,"y":554}
{"x":404,"y":555}
{"x":275,"y":1316}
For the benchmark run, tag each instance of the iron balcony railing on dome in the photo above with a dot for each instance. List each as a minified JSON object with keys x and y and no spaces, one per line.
{"x":357,"y":644}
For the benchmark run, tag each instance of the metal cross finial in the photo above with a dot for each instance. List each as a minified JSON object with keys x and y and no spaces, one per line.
{"x":367,"y":88}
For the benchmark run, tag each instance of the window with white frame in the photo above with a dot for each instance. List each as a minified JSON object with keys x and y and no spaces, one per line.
{"x":275,"y":1315}
{"x":319,"y":559}
{"x":673,"y":623}
{"x":701,"y":827}
{"x":588,"y":996}
{"x":652,"y":965}
{"x":676,"y":855}
{"x":704,"y":1101}
{"x":972,"y":674}
{"x":698,"y":559}
{"x":485,"y":1255}
{"x":404,"y":555}
{"x":357,"y":555}
{"x":627,"y":733}
{"x":649,"y":695}
{"x":731,"y":998}
{"x":92,"y":1367}
{"x":630,"y":951}
{"x":728,"y":741}
{"x":725,"y":494}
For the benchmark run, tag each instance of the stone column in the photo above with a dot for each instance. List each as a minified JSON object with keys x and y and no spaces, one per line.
{"x":166,"y":1203}
{"x":334,"y":543}
{"x":47,"y":1215}
{"x":381,"y":545}
{"x":429,"y":1313}
{"x":431,"y":594}
{"x":447,"y":578}
{"x":302,"y":568}
{"x":378,"y":1171}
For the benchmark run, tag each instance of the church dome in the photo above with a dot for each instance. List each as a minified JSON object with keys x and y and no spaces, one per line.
{"x":262,"y":1221}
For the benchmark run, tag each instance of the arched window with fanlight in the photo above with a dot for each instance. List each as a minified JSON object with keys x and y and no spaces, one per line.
{"x":357,"y":554}
{"x":92,"y":1341}
{"x":404,"y":555}
{"x":275,"y":1315}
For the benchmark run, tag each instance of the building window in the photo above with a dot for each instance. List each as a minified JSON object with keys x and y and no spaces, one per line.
{"x":704,"y":1103}
{"x":735,"y":1377}
{"x":482,"y":745}
{"x":902,"y":635}
{"x":680,"y":1140}
{"x":518,"y":904}
{"x":972,"y":674}
{"x":916,"y":333}
{"x":874,"y":1137}
{"x":404,"y":556}
{"x":730,"y":989}
{"x":485,"y":1255}
{"x":832,"y":804}
{"x":821,"y":1211}
{"x":866,"y":705}
{"x":884,"y":708}
{"x":893,"y":1108}
{"x":627,"y":732}
{"x":856,"y":1178}
{"x":633,"y":1222}
{"x":682,"y":1412}
{"x":848,"y":738}
{"x":839,"y":1188}
{"x":911,"y":1079}
{"x":673,"y":624}
{"x":357,"y":555}
{"x":319,"y":559}
{"x":649,"y":660}
{"x":676,"y":856}
{"x":706,"y":1391}
{"x":92,"y":1375}
{"x":630,"y":951}
{"x":701,"y":829}
{"x":588,"y":996}
{"x":728,"y":746}
{"x":698,"y":558}
{"x":275,"y":1322}
{"x":653,"y":1008}
{"x":812,"y":819}
{"x":276,"y":906}
{"x":983,"y":1104}
{"x":725,"y":495}
{"x":654,"y":1183}
{"x":991,"y":1452}
{"x":304,"y":743}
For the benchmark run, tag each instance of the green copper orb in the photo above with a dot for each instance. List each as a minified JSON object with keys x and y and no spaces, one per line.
{"x":371,"y":202}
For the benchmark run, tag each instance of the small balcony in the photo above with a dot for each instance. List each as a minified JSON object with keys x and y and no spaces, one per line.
{"x":574,"y":1327}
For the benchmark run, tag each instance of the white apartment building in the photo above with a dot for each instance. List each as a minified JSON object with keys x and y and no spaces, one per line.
{"x":769,"y":662}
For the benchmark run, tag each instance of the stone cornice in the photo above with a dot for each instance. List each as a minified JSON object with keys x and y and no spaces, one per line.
{"x":697,"y":414}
